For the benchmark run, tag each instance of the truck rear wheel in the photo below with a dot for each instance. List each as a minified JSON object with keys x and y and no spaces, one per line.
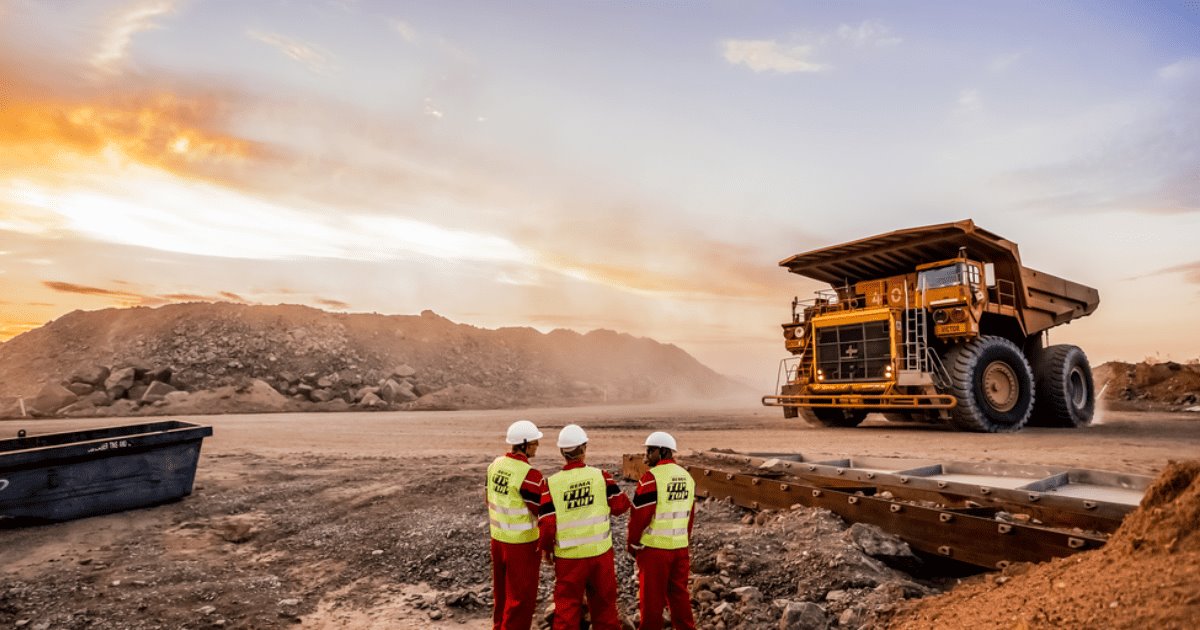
{"x":1066,"y":394}
{"x":834,"y":417}
{"x":993,"y":383}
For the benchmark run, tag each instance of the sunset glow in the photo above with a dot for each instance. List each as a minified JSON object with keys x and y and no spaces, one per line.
{"x":634,"y":166}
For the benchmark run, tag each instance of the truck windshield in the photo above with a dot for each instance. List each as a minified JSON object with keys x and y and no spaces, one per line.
{"x":948,"y":276}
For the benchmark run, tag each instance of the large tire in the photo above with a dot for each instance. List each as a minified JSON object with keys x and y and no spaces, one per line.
{"x":993,"y":384}
{"x":833,"y":416}
{"x":1066,"y":393}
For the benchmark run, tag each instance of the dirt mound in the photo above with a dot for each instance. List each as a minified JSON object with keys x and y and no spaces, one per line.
{"x":1166,"y":385}
{"x":1147,"y":576}
{"x":319,"y":358}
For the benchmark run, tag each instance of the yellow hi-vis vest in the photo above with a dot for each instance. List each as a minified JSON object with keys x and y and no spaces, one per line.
{"x":676,"y":492}
{"x":510,"y":519}
{"x":581,"y":510}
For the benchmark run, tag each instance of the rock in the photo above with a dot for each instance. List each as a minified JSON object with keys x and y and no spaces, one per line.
{"x":706,"y":596}
{"x":371,"y":401}
{"x":321,"y":395}
{"x":205,"y":610}
{"x":748,"y":594}
{"x":803,"y":616}
{"x":289,"y":603}
{"x":404,"y":371}
{"x":848,"y":618}
{"x":882,"y":546}
{"x":83,"y":407}
{"x":119,"y":381}
{"x":51,"y":398}
{"x":137,"y":391}
{"x":435,"y":615}
{"x":422,"y":390}
{"x":94,"y":376}
{"x":362,"y":393}
{"x":721,"y":608}
{"x":176,"y":397}
{"x":389,"y":391}
{"x":157,"y":391}
{"x":158,"y":375}
{"x":261,"y":397}
{"x":99,"y":398}
{"x":762,"y":517}
{"x":81,"y":389}
{"x":238,"y":529}
{"x":836,"y":595}
{"x":325,"y":382}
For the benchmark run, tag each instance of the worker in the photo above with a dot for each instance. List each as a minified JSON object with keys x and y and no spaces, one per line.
{"x":660,"y":529}
{"x":575,"y":524}
{"x":515,"y":491}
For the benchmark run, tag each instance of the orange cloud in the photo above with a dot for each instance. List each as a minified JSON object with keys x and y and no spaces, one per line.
{"x":338,"y":304}
{"x":124,"y":298}
{"x":42,"y":130}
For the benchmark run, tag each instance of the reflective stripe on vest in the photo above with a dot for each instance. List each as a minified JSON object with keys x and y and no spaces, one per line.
{"x":676,"y":492}
{"x":581,"y":512}
{"x":510,"y":519}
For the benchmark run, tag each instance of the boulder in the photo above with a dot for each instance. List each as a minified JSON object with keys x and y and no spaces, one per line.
{"x":390,"y":391}
{"x":137,"y":391}
{"x":260,"y":396}
{"x":321,"y":395}
{"x":404,"y":371}
{"x":803,"y":616}
{"x":362,"y":393}
{"x":422,"y":390}
{"x":325,"y":382}
{"x":81,"y":389}
{"x":99,"y":398}
{"x":51,"y":398}
{"x":82,"y":407}
{"x":371,"y":401}
{"x":160,"y":375}
{"x":156,"y":391}
{"x":119,"y":382}
{"x":94,"y":376}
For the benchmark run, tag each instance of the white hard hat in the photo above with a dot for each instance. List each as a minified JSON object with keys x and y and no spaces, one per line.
{"x":522,"y":431}
{"x":662,"y":440}
{"x":571,"y":436}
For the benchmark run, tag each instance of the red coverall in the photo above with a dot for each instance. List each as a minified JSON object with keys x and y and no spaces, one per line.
{"x":662,"y":573}
{"x":515,"y":568}
{"x":576,"y":577}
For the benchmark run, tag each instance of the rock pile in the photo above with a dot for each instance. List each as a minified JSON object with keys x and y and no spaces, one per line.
{"x":94,"y":387}
{"x":347,"y":361}
{"x":1167,"y":385}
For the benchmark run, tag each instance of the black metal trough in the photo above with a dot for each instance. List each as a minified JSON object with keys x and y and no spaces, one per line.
{"x":61,"y":476}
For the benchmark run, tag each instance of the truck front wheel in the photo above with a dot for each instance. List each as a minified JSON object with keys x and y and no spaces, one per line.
{"x":993,"y":383}
{"x":834,"y":416}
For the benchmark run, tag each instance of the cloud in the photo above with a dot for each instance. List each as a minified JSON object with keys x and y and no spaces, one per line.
{"x":110,"y":57}
{"x":797,"y":55}
{"x":315,"y":59}
{"x":768,"y":55}
{"x":969,"y":101}
{"x":123,"y":298}
{"x":406,"y":31}
{"x":334,"y":304}
{"x":868,"y":33}
{"x":1190,"y":272}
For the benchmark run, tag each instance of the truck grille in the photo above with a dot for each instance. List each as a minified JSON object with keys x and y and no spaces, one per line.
{"x":854,"y":352}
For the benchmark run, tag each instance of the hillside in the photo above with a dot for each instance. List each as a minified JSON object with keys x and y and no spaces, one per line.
{"x":311,"y":356}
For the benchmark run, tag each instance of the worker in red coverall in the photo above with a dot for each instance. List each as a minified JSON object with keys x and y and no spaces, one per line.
{"x":575,"y":528}
{"x":660,"y":529}
{"x":515,"y":492}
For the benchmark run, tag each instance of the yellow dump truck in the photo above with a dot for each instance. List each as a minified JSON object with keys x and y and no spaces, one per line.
{"x":938,"y":323}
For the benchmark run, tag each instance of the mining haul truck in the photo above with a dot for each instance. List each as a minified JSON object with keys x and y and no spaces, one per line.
{"x":939,"y":323}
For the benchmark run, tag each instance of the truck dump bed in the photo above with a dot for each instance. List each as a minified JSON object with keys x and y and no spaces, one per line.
{"x":1044,"y":300}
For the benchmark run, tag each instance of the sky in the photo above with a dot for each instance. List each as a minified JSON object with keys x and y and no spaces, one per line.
{"x":640,"y":166}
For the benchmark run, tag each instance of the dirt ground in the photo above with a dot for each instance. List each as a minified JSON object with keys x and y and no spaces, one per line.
{"x":374,"y":520}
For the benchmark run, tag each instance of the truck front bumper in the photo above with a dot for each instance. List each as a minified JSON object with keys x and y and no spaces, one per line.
{"x":863,"y":401}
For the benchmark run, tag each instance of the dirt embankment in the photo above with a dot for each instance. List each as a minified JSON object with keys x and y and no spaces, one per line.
{"x":1157,"y":386}
{"x":1147,"y":576}
{"x":326,"y":361}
